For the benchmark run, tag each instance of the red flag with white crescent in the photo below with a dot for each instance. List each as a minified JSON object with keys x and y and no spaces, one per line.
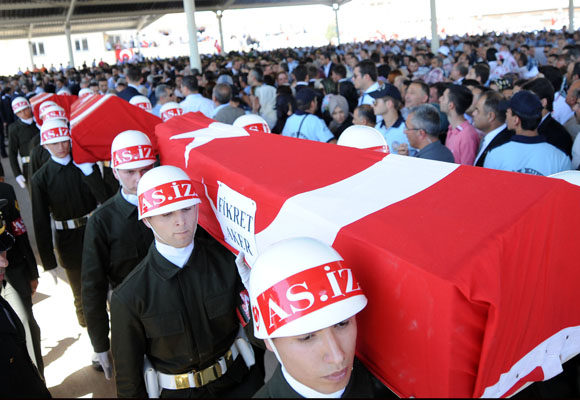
{"x":97,"y":119}
{"x":470,"y":273}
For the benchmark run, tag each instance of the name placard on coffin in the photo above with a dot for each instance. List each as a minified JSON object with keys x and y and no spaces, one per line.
{"x":97,"y":119}
{"x":471,"y":274}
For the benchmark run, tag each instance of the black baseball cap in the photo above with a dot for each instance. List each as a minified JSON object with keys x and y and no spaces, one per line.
{"x":524,"y":103}
{"x":387,"y":90}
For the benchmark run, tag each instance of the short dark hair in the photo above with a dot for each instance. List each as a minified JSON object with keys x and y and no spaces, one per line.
{"x":339,"y":70}
{"x":366,"y":111}
{"x":440,"y":86}
{"x":543,"y":89}
{"x":492,"y":103}
{"x":134,"y":74}
{"x":553,"y":74}
{"x":300,"y":73}
{"x":482,"y":71}
{"x":426,"y":117}
{"x":190,"y":82}
{"x":461,"y":97}
{"x":222,"y":93}
{"x":423,"y":85}
{"x":462,"y":69}
{"x":576,"y":69}
{"x":528,"y":122}
{"x":367,"y":67}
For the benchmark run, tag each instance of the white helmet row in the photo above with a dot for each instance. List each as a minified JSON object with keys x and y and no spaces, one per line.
{"x":165,"y":189}
{"x":53,"y":112}
{"x":131,"y":150}
{"x":142,"y":102}
{"x":19,"y":104}
{"x":252,"y":123}
{"x":169,"y":110}
{"x":54,"y":131}
{"x":46,"y":104}
{"x":85,"y":92}
{"x":363,"y":137}
{"x":301,"y":285}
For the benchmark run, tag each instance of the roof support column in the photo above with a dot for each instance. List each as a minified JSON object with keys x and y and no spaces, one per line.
{"x":30,"y":50}
{"x":335,"y":7}
{"x":194,"y":60}
{"x":219,"y":14}
{"x":69,"y":44}
{"x":571,"y":16}
{"x":434,"y":34}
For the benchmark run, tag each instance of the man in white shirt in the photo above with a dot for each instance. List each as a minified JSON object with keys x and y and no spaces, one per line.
{"x":194,"y":101}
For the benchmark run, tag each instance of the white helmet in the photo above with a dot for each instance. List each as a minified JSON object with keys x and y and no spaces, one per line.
{"x":85,"y":92}
{"x":142,"y":102}
{"x":131,"y":150}
{"x":169,"y":110}
{"x":54,"y":131}
{"x":363,"y":137}
{"x":252,"y":123}
{"x":572,"y":176}
{"x":19,"y":104}
{"x":46,"y":104}
{"x":301,"y":285}
{"x":165,"y":189}
{"x":53,"y":112}
{"x":64,"y":92}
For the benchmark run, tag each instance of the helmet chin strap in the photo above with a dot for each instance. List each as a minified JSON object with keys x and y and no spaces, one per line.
{"x":271,"y":343}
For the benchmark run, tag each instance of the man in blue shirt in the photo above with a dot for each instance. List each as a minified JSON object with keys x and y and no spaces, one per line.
{"x":303,"y":123}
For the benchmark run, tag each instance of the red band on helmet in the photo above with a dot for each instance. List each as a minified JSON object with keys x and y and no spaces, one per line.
{"x":55,"y":114}
{"x":131,"y":154}
{"x":172,"y":112}
{"x":166,"y":194}
{"x":54,"y":133}
{"x":18,"y":105}
{"x":257,"y":127}
{"x":144,"y":106}
{"x":304,"y":293}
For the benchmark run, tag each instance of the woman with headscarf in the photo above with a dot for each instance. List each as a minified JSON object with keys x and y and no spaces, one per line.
{"x":341,"y":118}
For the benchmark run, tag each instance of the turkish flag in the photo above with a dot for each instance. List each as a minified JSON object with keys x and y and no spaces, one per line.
{"x":65,"y":102}
{"x":471,"y":274}
{"x":97,"y":119}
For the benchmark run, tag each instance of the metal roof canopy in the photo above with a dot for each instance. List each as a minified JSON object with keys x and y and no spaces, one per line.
{"x":21,"y":19}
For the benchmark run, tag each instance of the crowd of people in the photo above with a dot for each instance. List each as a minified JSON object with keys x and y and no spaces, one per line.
{"x":508,"y":102}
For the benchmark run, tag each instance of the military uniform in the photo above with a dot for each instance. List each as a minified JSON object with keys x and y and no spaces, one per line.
{"x":60,"y":191}
{"x":19,"y":135}
{"x":38,"y":156}
{"x":361,"y":385}
{"x":183,"y":319}
{"x":22,"y":271}
{"x":18,"y":375}
{"x":115,"y":242}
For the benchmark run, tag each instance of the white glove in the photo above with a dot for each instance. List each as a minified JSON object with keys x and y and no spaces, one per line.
{"x":243,"y":270}
{"x":21,"y":181}
{"x":54,"y":275}
{"x":105,"y":362}
{"x":87,"y":167}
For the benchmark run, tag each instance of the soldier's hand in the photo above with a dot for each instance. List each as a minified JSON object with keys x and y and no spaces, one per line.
{"x":33,"y":286}
{"x":86,"y":168}
{"x":54,"y":275}
{"x":21,"y":181}
{"x":105,"y":362}
{"x":243,"y":270}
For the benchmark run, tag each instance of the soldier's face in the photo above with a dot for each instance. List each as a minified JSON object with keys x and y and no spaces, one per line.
{"x":321,"y":360}
{"x":175,"y":228}
{"x":60,"y":149}
{"x":129,"y":178}
{"x":25,"y":114}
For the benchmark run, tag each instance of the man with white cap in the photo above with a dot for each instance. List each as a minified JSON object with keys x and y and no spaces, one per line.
{"x":115,"y":240}
{"x":58,"y":191}
{"x":304,"y":303}
{"x":178,"y":307}
{"x":20,"y":133}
